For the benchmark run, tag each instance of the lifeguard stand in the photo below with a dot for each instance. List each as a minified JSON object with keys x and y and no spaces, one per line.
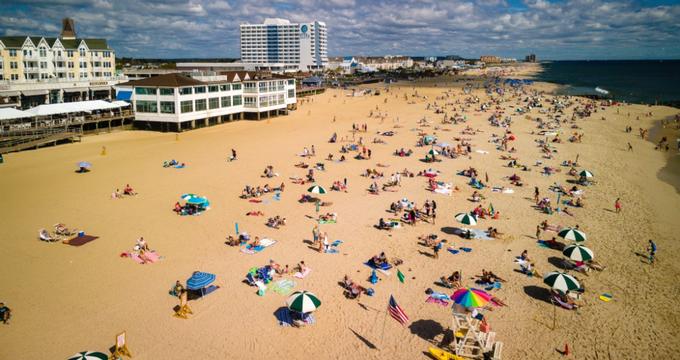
{"x":469,"y":341}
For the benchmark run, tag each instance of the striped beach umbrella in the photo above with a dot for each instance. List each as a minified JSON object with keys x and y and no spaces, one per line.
{"x":471,"y":297}
{"x":303,"y":302}
{"x":561,"y":281}
{"x":578,"y":253}
{"x":433,"y":152}
{"x":89,"y":355}
{"x":316,"y":189}
{"x":586,"y":173}
{"x":572,"y":234}
{"x":466,"y":218}
{"x":187,"y":197}
{"x":199,"y":280}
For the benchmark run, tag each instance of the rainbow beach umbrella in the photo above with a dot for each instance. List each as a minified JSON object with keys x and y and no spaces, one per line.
{"x":471,"y":297}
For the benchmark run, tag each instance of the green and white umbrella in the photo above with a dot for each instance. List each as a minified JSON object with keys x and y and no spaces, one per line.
{"x":586,"y":173}
{"x":561,"y":281}
{"x":572,"y":234}
{"x":433,"y":152}
{"x":466,"y":218}
{"x":303,"y":302}
{"x":578,"y":253}
{"x":89,"y":355}
{"x":316,"y":189}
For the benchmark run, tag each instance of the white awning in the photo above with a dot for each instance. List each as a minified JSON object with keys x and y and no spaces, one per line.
{"x":34,"y":92}
{"x":11,"y":113}
{"x":10,"y":93}
{"x":75,"y":90}
{"x":74,"y":107}
{"x":100,"y":88}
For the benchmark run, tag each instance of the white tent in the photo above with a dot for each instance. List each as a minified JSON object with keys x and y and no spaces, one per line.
{"x":73,"y":107}
{"x":11,"y":113}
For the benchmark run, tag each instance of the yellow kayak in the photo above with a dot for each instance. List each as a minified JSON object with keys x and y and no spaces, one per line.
{"x":440,"y":354}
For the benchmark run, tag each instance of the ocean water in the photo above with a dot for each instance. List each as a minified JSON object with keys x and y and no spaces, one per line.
{"x":635,"y":81}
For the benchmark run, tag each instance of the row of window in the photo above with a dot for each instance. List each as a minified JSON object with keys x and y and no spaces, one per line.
{"x":168,"y":107}
{"x":42,"y":51}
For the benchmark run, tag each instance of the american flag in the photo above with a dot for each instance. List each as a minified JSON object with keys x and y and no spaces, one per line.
{"x":396,"y":312}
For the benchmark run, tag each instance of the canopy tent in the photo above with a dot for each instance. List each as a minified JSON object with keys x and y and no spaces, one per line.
{"x":74,"y":107}
{"x":11,"y":113}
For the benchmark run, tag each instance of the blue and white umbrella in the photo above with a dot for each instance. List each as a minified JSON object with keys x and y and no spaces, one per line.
{"x":84,"y":164}
{"x":199,"y":280}
{"x":89,"y":355}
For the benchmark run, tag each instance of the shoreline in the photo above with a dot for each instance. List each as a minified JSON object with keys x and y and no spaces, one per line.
{"x":671,"y":172}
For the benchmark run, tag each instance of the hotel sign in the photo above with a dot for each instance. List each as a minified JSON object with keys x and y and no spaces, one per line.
{"x":98,"y":83}
{"x":304,"y":31}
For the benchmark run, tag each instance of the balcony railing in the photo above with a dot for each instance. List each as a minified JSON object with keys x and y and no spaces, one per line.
{"x":57,"y":81}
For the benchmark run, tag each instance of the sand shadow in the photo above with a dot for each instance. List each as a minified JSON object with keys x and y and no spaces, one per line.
{"x":538,"y":293}
{"x":557,"y":262}
{"x":198,"y":294}
{"x":610,"y":210}
{"x":308,"y":242}
{"x":452,"y":230}
{"x":425,"y":253}
{"x":426,"y":329}
{"x":366,"y":342}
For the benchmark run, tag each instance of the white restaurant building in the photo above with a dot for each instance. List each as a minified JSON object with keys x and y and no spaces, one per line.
{"x":175,"y":102}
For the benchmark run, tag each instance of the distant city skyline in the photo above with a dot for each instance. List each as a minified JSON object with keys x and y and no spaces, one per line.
{"x":556,"y":30}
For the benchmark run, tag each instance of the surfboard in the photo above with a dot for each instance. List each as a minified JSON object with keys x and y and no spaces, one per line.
{"x":440,"y":354}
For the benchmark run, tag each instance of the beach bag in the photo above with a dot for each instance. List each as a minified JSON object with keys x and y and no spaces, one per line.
{"x":484,"y":326}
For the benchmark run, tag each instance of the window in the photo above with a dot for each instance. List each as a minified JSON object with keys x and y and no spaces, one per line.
{"x":146,"y":106}
{"x":12,"y":52}
{"x":226,"y":101}
{"x":13,"y":65}
{"x":263,"y":86}
{"x":237,"y":100}
{"x":167,"y":107}
{"x":43,"y":51}
{"x":167,"y":91}
{"x":224,"y":87}
{"x":264,"y":101}
{"x":214,"y":103}
{"x":213,"y":88}
{"x":200,"y":104}
{"x":83,"y":75}
{"x":236,"y":86}
{"x":2,"y":77}
{"x":70,"y":64}
{"x":291,"y":82}
{"x":199,"y":90}
{"x":107,"y":54}
{"x":145,"y":91}
{"x":186,"y":91}
{"x":249,"y":101}
{"x":291,"y":93}
{"x":43,"y":64}
{"x":14,"y":77}
{"x":69,"y":53}
{"x":81,"y":51}
{"x":71,"y":75}
{"x":83,"y":65}
{"x":186,"y":106}
{"x":59,"y":53}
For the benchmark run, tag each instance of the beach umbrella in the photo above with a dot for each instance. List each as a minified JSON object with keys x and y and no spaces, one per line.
{"x":471,"y":297}
{"x":199,"y":280}
{"x":316,"y":189}
{"x":89,"y":355}
{"x":578,"y":253}
{"x":303,"y":302}
{"x":572,"y":234}
{"x":586,"y":173}
{"x":433,"y":152}
{"x":561,"y":281}
{"x":443,"y":144}
{"x":84,"y":164}
{"x":195,"y":200}
{"x":429,"y":139}
{"x":466,"y":218}
{"x":187,"y":197}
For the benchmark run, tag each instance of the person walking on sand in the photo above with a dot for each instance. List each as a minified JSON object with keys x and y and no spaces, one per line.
{"x":617,"y":205}
{"x":651,"y":248}
{"x":536,"y":194}
{"x":436,"y":248}
{"x":233,"y":155}
{"x":630,"y":147}
{"x":538,"y":232}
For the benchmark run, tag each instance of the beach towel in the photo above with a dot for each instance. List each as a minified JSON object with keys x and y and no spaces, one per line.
{"x":285,"y":318}
{"x":282,"y":287}
{"x":81,"y":240}
{"x":606,"y":297}
{"x":383,"y":269}
{"x":453,"y":251}
{"x":480,"y":234}
{"x":465,"y":249}
{"x":180,"y":166}
{"x":336,"y":243}
{"x":257,"y":201}
{"x":437,"y":301}
{"x":443,"y":191}
{"x":543,"y":244}
{"x":327,"y":221}
{"x":302,"y":275}
{"x":264,"y":243}
{"x":151,"y":256}
{"x":481,"y":151}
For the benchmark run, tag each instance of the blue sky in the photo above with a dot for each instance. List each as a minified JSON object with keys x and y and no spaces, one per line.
{"x":565,"y":29}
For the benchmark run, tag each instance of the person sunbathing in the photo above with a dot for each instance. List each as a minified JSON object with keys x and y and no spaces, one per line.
{"x":5,"y":313}
{"x":128,"y":190}
{"x":301,"y":267}
{"x":255,"y":243}
{"x":352,"y":290}
{"x":231,"y":241}
{"x":453,"y":281}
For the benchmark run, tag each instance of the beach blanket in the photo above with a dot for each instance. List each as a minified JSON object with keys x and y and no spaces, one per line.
{"x":543,"y":244}
{"x":151,"y":257}
{"x":503,"y":190}
{"x":383,"y":269}
{"x":264,"y":243}
{"x":327,"y":221}
{"x":481,"y":151}
{"x":437,"y":301}
{"x":285,"y":318}
{"x":453,"y":250}
{"x":554,"y":228}
{"x":465,"y":249}
{"x":302,"y":275}
{"x":180,"y":166}
{"x":257,"y":201}
{"x":81,"y":240}
{"x":282,"y":287}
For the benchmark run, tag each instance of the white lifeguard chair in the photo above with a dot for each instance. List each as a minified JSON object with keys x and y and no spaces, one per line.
{"x":469,"y":341}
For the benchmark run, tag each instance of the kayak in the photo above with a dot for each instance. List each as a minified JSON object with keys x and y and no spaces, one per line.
{"x":440,"y":354}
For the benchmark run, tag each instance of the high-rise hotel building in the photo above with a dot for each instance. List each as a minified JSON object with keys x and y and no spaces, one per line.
{"x":280,"y":46}
{"x":37,"y":70}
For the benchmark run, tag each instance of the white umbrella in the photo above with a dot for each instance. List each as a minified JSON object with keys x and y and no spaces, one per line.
{"x":467,"y":219}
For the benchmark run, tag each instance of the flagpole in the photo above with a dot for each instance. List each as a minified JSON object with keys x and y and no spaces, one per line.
{"x":382,"y":337}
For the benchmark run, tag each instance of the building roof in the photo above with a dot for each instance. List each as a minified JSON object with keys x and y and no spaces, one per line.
{"x":18,"y":42}
{"x":167,"y":80}
{"x":74,"y":107}
{"x":11,"y":113}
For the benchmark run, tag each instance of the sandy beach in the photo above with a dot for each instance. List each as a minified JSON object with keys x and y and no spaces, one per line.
{"x":67,"y":299}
